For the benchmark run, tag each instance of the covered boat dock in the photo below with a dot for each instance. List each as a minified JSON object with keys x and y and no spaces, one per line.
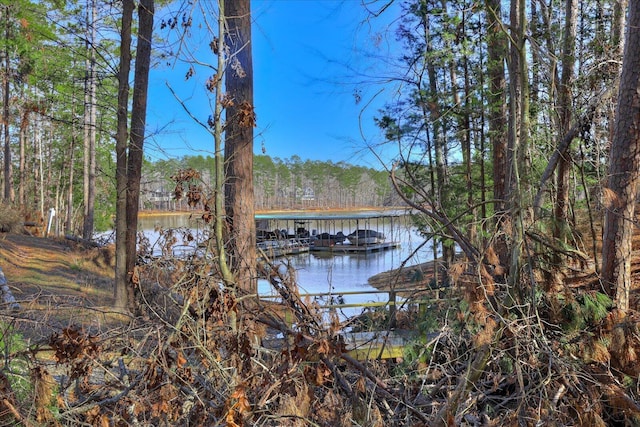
{"x":329,"y":231}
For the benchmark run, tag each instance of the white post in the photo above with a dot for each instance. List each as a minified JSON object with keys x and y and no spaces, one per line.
{"x":52,"y":213}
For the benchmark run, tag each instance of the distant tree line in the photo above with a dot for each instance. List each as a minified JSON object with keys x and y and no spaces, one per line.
{"x":280,"y":183}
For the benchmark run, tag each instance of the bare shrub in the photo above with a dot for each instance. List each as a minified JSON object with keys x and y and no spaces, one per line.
{"x":10,"y":219}
{"x":206,"y":354}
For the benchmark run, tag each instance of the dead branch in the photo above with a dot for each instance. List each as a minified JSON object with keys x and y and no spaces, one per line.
{"x":583,"y":123}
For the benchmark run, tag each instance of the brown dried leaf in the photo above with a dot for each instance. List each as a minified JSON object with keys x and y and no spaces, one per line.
{"x":491,"y":256}
{"x":324,"y":347}
{"x":486,"y":334}
{"x":610,"y":199}
{"x":455,"y":271}
{"x":215,"y":45}
{"x":241,"y":405}
{"x":135,"y":276}
{"x":190,"y":72}
{"x":322,"y":373}
{"x":181,"y":360}
{"x":246,"y":115}
{"x":212,"y":83}
{"x":226,"y":101}
{"x":596,"y":351}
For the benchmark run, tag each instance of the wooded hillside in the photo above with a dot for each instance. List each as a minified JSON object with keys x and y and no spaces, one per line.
{"x":285,"y":183}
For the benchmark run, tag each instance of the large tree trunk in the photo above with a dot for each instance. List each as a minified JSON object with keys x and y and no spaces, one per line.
{"x":624,"y":162}
{"x":136,"y":139}
{"x":240,"y":121}
{"x":121,"y":295}
{"x":496,"y":51}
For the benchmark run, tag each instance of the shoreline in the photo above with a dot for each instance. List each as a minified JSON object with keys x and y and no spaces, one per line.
{"x":275,"y":211}
{"x":415,"y":279}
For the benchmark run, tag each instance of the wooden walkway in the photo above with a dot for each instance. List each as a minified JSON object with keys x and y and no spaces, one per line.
{"x":378,"y":344}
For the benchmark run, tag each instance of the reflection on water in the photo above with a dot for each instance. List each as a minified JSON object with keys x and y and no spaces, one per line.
{"x":186,"y":229}
{"x":319,"y":271}
{"x":178,"y":220}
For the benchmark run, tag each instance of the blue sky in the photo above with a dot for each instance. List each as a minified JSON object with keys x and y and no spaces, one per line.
{"x":309,"y":58}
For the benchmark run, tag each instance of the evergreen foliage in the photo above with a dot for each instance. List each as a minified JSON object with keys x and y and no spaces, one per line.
{"x":289,"y":183}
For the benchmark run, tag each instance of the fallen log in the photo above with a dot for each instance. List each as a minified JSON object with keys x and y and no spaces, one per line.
{"x":86,"y":242}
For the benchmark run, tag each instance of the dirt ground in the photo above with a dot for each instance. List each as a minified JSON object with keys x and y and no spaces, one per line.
{"x":57,"y":282}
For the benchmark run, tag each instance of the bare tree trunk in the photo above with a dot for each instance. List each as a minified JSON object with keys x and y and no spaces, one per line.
{"x":466,"y":140}
{"x":69,"y":212}
{"x":518,"y":139}
{"x":90,"y":126}
{"x":617,"y":29}
{"x":219,"y":222}
{"x":136,"y":139}
{"x":565,"y":117}
{"x":40,"y":154}
{"x":239,"y":146}
{"x":22,"y":168}
{"x":8,"y":176}
{"x":623,"y":171}
{"x":121,"y":278}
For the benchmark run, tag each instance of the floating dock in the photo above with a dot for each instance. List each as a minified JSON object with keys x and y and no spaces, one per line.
{"x":277,"y":248}
{"x":362,"y":249}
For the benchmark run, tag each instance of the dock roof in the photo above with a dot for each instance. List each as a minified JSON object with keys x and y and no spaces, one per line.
{"x":330,"y":215}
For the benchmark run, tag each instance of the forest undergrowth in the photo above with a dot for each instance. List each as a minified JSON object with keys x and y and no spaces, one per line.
{"x":204,"y":355}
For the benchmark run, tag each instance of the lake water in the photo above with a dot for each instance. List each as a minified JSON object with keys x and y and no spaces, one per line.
{"x":321,"y":272}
